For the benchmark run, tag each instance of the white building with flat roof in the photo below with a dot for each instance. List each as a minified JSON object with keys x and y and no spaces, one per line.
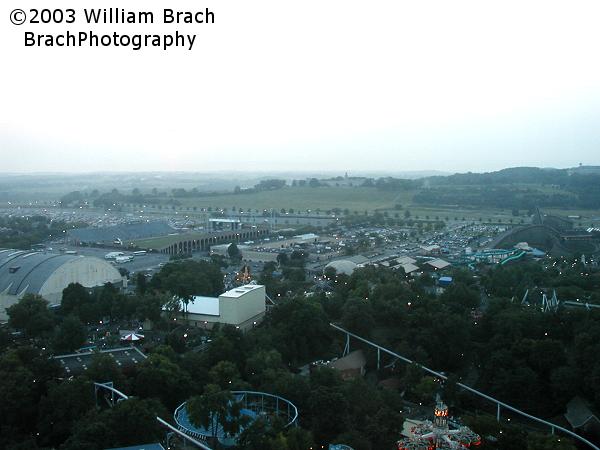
{"x":242,"y":307}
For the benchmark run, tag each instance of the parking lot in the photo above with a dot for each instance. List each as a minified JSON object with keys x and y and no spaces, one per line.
{"x":147,"y":262}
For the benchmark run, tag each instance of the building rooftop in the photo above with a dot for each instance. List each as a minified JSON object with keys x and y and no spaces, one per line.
{"x":438,"y":263}
{"x":77,"y":363}
{"x":353,"y":360}
{"x":307,"y":236}
{"x":208,"y":306}
{"x":408,"y":267}
{"x":578,"y":413}
{"x":239,"y":291}
{"x":343,"y":266}
{"x":406,"y":260}
{"x":27,"y":270}
{"x":223,"y":220}
{"x":358,"y":259}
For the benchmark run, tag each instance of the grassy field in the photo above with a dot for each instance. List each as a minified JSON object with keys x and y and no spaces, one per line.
{"x":162,"y":241}
{"x":360,"y":199}
{"x":304,"y":198}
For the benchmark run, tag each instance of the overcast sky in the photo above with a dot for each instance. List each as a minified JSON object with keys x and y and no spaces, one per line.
{"x":312,"y":85}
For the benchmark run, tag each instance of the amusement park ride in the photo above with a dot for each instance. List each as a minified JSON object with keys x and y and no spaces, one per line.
{"x":243,"y":276}
{"x":438,"y":434}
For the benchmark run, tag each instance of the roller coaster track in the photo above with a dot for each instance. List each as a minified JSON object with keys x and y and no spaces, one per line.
{"x":497,"y":402}
{"x":121,"y":397}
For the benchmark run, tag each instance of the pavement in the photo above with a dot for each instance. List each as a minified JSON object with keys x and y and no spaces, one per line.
{"x":148,"y":261}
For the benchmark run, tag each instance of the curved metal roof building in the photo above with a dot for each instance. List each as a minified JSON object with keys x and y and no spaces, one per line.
{"x":47,"y":274}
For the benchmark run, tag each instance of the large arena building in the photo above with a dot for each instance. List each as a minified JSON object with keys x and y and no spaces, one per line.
{"x":47,"y":274}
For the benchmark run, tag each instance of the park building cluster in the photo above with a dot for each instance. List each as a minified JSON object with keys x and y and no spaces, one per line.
{"x":243,"y":307}
{"x":47,"y":274}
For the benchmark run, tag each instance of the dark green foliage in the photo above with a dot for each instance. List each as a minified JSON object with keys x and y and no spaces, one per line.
{"x":129,"y":422}
{"x":69,"y":335}
{"x":75,"y":298}
{"x":141,"y":284}
{"x":215,"y":407}
{"x":23,"y":232}
{"x":24,"y":374}
{"x":234,"y":252}
{"x":188,"y":278}
{"x":534,"y":360}
{"x":298,"y":329}
{"x":515,"y":188}
{"x":31,"y":315}
{"x":108,"y":302}
{"x":160,"y":378}
{"x":103,"y":369}
{"x":62,"y":407}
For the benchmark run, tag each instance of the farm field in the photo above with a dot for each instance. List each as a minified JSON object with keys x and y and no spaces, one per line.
{"x":162,"y":241}
{"x":301,"y":199}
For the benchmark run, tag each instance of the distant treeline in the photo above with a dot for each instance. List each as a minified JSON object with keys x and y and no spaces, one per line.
{"x":23,"y":232}
{"x":516,"y":188}
{"x":492,"y":196}
{"x":497,"y":189}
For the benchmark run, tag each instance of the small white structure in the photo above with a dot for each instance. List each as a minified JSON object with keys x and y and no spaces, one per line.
{"x":402,"y":260}
{"x":113,"y":255}
{"x":243,"y":307}
{"x":307,"y":237}
{"x":350,"y":366}
{"x":223,"y":249}
{"x":409,"y":268}
{"x":438,"y":264}
{"x":430,"y":249}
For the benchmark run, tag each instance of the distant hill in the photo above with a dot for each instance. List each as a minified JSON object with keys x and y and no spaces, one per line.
{"x":516,"y":187}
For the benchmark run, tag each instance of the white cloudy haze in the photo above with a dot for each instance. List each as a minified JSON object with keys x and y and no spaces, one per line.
{"x":312,"y":85}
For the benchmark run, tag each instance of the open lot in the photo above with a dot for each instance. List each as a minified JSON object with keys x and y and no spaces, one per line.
{"x":304,"y":198}
{"x":138,"y":264}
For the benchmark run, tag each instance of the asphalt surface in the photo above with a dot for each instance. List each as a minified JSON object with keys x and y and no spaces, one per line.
{"x":148,"y":262}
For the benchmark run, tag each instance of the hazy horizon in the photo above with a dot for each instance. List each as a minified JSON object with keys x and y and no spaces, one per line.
{"x":270,"y":87}
{"x":252,"y":173}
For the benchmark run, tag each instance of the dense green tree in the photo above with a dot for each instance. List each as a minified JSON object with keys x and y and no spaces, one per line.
{"x":141,"y":284}
{"x":459,"y":293}
{"x":31,"y":315}
{"x":103,"y":369}
{"x":537,"y":441}
{"x":62,"y":407}
{"x":186,"y":279}
{"x":260,"y":435}
{"x":234,"y":252}
{"x":226,"y":375}
{"x":160,"y":378}
{"x":299,"y":329}
{"x":69,"y":335}
{"x":74,"y":298}
{"x":215,"y":408}
{"x":332,"y":420}
{"x":127,"y":423}
{"x":357,"y":316}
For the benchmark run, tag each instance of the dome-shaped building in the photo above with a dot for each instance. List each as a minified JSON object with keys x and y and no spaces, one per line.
{"x":47,"y":274}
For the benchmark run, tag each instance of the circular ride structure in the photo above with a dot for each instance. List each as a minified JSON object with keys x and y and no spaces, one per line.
{"x":253,"y":405}
{"x":438,"y":434}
